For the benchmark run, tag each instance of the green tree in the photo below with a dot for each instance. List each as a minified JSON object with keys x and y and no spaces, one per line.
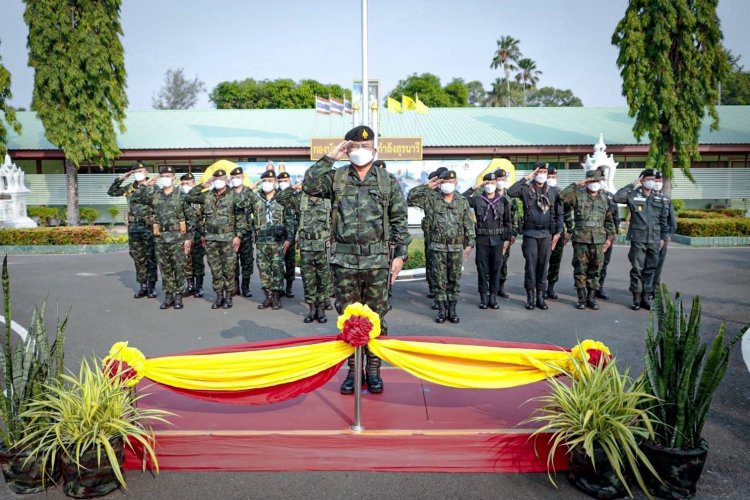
{"x":178,"y":92}
{"x":7,"y":112}
{"x":735,"y":89}
{"x":552,"y":97}
{"x":503,"y":92}
{"x":528,"y":75}
{"x":671,"y":61}
{"x":506,"y":55}
{"x":430,"y":91}
{"x":273,"y":94}
{"x":79,"y":81}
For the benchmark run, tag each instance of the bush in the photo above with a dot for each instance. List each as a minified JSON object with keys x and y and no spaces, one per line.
{"x":416,"y":258}
{"x":120,"y":239}
{"x":92,"y":235}
{"x":711,"y":213}
{"x":43,"y":213}
{"x":728,"y":226}
{"x":113,"y":213}
{"x":678,"y":204}
{"x":88,"y":215}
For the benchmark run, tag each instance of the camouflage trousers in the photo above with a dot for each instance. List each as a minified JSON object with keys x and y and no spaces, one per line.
{"x":447,"y":275}
{"x":644,"y":258}
{"x":289,"y":263}
{"x":271,"y":266}
{"x":171,"y":259}
{"x":316,"y":276}
{"x":603,"y":272}
{"x":587,"y":262}
{"x":143,"y":252}
{"x":220,"y":256}
{"x":555,"y":259}
{"x":245,"y":257}
{"x":428,"y":260}
{"x":194,"y":265}
{"x":368,"y":286}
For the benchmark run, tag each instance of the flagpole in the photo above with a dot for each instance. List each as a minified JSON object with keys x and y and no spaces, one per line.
{"x":365,"y":82}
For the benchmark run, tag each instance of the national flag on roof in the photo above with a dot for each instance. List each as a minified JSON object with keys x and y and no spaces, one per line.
{"x":347,"y":106}
{"x":322,"y":105}
{"x":336,"y":106}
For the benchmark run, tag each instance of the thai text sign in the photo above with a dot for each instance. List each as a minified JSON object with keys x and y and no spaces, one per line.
{"x":389,"y":148}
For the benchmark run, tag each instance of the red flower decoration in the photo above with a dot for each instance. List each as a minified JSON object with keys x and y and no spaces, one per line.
{"x":356,"y":331}
{"x":597,"y":357}
{"x":119,"y":369}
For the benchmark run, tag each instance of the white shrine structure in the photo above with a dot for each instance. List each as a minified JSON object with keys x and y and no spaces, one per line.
{"x":13,"y":194}
{"x":601,"y":159}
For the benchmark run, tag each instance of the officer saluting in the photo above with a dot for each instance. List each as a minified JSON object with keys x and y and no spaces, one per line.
{"x":195,"y":268}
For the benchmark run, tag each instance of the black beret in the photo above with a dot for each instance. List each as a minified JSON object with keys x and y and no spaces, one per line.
{"x":500,"y":173}
{"x":649,"y":172}
{"x":541,"y":164}
{"x":378,"y":163}
{"x":657,"y":175}
{"x":237,"y":171}
{"x":440,"y":170}
{"x":489,"y":177}
{"x":138,"y":164}
{"x":359,"y":134}
{"x":166,"y":169}
{"x":594,"y":174}
{"x":220,"y":173}
{"x":551,"y":171}
{"x":187,"y":177}
{"x":448,"y":174}
{"x":282,"y":175}
{"x":268,"y":174}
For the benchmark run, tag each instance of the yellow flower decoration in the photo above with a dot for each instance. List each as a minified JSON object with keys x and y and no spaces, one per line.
{"x":356,"y":317}
{"x":588,"y":353}
{"x":131,"y":357}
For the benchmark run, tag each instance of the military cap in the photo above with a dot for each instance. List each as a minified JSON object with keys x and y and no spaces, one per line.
{"x":359,"y":134}
{"x":489,"y":177}
{"x":541,"y":164}
{"x":237,"y":171}
{"x":448,"y":174}
{"x":657,"y":175}
{"x":551,"y":171}
{"x":282,"y":175}
{"x":220,"y":173}
{"x":166,"y":169}
{"x":500,"y":173}
{"x":187,"y":177}
{"x":649,"y":172}
{"x":594,"y":174}
{"x":378,"y":163}
{"x":138,"y":164}
{"x":440,"y":170}
{"x":268,"y":174}
{"x":432,"y":175}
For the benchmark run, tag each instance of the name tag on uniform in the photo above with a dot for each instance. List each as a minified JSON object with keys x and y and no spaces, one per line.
{"x":639,"y":198}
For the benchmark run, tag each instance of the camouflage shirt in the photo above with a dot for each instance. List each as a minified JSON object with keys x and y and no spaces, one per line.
{"x":591,"y":214}
{"x":314,"y":221}
{"x":272,"y":218}
{"x":366,"y":219}
{"x":248,"y":212}
{"x":451,"y":222}
{"x":169,"y":210}
{"x":649,"y":215}
{"x":223,"y":214}
{"x":139,"y":215}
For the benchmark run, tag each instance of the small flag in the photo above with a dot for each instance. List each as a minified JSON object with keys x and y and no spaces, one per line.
{"x":347,"y":106}
{"x":421,"y":107}
{"x":336,"y":106}
{"x":407,"y":103}
{"x":322,"y":105}
{"x":393,"y":105}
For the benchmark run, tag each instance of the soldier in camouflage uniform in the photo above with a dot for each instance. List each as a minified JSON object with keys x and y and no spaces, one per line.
{"x":555,"y":258}
{"x":140,"y":235}
{"x":369,"y":224}
{"x":285,"y":183}
{"x":314,"y":239}
{"x":174,"y":222}
{"x":195,"y":268}
{"x":223,"y":225}
{"x":428,"y":256}
{"x":453,"y":237}
{"x":671,"y":224}
{"x":274,"y":230}
{"x":648,"y":233}
{"x":593,"y":231}
{"x":601,"y":294}
{"x":246,"y":254}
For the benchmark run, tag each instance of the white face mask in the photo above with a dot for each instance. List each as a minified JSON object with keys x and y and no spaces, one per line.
{"x":284,"y":185}
{"x":139,"y":176}
{"x":267,"y":187}
{"x":185,"y":188}
{"x":541,"y":178}
{"x":552,"y":181}
{"x":490,"y":188}
{"x":649,"y":184}
{"x":594,"y":186}
{"x":361,"y":157}
{"x":220,"y":184}
{"x":236,"y":182}
{"x":658,"y":186}
{"x":164,"y":182}
{"x":447,"y":187}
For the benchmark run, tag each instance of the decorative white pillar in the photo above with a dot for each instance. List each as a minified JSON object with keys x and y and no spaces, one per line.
{"x":13,"y":194}
{"x":601,"y":159}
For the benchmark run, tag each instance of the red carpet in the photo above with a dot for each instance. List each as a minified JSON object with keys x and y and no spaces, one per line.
{"x":412,"y":426}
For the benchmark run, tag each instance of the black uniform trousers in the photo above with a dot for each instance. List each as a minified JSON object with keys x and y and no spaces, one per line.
{"x":489,"y":260}
{"x":644,"y":257}
{"x":536,"y":251}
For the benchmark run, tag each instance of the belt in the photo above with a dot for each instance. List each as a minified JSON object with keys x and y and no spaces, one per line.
{"x":355,"y":249}
{"x":538,"y":227}
{"x":490,"y":232}
{"x":137,"y":220}
{"x":589,"y":223}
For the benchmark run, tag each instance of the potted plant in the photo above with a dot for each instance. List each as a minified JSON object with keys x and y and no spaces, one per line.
{"x":90,"y":418}
{"x":598,"y":415}
{"x":26,"y":366}
{"x":683,"y":373}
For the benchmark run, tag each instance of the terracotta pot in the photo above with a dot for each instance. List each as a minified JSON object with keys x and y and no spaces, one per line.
{"x":25,"y":478}
{"x":679,"y":469}
{"x":91,"y":479}
{"x":601,"y":482}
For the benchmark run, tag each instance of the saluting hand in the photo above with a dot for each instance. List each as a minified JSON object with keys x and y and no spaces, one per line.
{"x":339,"y":151}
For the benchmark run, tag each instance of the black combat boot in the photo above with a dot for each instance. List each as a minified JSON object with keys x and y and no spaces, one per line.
{"x":228,"y":301}
{"x":276,"y":300}
{"x":246,"y":287}
{"x":452,"y":316}
{"x":152,"y":289}
{"x":430,"y":294}
{"x":540,"y":303}
{"x":482,"y":301}
{"x":492,"y":303}
{"x":646,"y":301}
{"x":501,"y":292}
{"x":348,"y":386}
{"x":440,"y":318}
{"x":591,"y":301}
{"x":168,"y":301}
{"x":551,"y":294}
{"x":199,"y":286}
{"x":312,"y":314}
{"x":530,"y":299}
{"x":219,"y":300}
{"x":322,"y":313}
{"x":178,"y":301}
{"x":190,"y":287}
{"x":636,"y":301}
{"x":289,"y":293}
{"x":267,"y":302}
{"x":581,"y":298}
{"x":601,"y":294}
{"x":328,"y":305}
{"x":435,"y":305}
{"x":374,"y":382}
{"x":142,"y":291}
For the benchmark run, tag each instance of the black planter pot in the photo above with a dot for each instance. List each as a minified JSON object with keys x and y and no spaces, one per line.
{"x":91,"y":479}
{"x":601,"y":482}
{"x":679,"y":469}
{"x":25,"y":478}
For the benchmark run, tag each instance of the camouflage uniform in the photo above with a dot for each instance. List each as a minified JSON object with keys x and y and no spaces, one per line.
{"x":608,"y":254}
{"x":292,"y":216}
{"x":592,"y":224}
{"x":195,"y":268}
{"x":245,"y":256}
{"x":140,"y":236}
{"x":274,"y":227}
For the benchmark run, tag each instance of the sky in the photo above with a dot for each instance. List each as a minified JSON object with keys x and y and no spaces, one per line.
{"x":224,"y":40}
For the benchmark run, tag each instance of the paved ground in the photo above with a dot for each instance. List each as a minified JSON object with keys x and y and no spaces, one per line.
{"x":98,"y":291}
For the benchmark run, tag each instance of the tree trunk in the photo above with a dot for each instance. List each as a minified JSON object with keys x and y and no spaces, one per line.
{"x":72,"y":212}
{"x":507,"y":84}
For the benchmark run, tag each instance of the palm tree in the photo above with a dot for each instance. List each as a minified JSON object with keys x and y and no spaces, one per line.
{"x":506,"y":55}
{"x":528,"y":75}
